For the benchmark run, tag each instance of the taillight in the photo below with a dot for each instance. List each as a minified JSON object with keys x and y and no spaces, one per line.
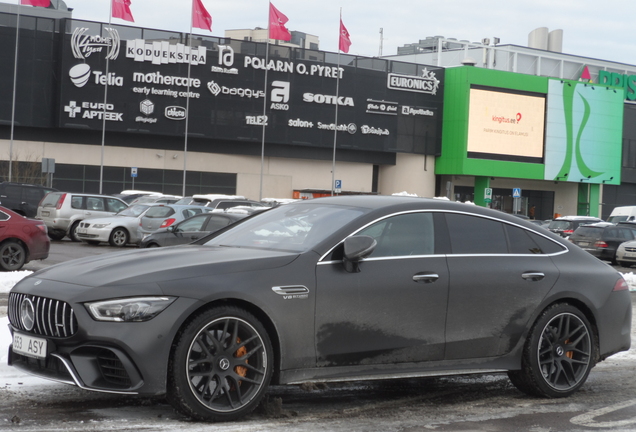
{"x":600,"y":244}
{"x":60,"y":201}
{"x":168,"y":222}
{"x":620,"y":285}
{"x":568,"y":232}
{"x":42,"y":228}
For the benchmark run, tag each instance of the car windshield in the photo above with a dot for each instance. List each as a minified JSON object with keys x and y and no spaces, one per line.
{"x":294,"y":227}
{"x":134,"y":210}
{"x":560,"y":224}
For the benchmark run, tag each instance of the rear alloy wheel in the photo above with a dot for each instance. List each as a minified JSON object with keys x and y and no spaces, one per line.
{"x":72,"y":233}
{"x":220,"y":366}
{"x":118,"y":237}
{"x":12,"y":256}
{"x":558,"y":355}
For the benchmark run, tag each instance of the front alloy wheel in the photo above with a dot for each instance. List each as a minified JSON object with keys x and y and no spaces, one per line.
{"x":118,"y":238}
{"x":12,"y":256}
{"x":221,"y":365}
{"x":559,"y":354}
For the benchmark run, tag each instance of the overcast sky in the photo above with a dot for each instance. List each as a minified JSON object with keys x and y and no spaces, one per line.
{"x":600,"y":30}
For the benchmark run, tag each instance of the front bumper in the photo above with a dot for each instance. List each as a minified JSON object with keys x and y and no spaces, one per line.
{"x":130,"y":358}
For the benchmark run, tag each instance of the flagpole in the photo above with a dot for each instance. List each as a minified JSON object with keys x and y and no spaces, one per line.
{"x":187,"y":119}
{"x":15,"y":80}
{"x":260,"y":193}
{"x":101,"y":164}
{"x":335,"y":131}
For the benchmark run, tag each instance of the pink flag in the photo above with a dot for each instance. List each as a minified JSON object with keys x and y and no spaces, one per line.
{"x":121,"y":9}
{"x":200,"y":16}
{"x":40,"y":3}
{"x":277,"y":29}
{"x":345,"y":40}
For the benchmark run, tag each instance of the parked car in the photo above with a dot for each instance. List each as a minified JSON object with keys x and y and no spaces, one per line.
{"x":565,"y":225}
{"x":62,"y":212}
{"x":219,"y":202}
{"x":21,"y":240}
{"x":156,"y":198}
{"x":118,"y":230}
{"x":22,"y":198}
{"x":327,"y":289}
{"x":626,"y":254}
{"x":602,"y":239}
{"x":191,"y":229}
{"x":164,"y":215}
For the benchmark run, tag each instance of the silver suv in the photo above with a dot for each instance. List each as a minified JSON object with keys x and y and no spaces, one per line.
{"x":63,"y":211}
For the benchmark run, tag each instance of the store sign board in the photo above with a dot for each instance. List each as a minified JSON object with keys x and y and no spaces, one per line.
{"x":150,"y":85}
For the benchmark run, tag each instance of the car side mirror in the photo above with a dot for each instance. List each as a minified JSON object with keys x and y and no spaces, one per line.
{"x":357,"y":248}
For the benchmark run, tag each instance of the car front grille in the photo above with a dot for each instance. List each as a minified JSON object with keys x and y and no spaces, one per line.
{"x":84,"y":224}
{"x":50,"y":317}
{"x":630,"y":249}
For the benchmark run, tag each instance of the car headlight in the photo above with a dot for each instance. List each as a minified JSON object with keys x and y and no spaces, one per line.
{"x":129,"y":309}
{"x":101,"y":225}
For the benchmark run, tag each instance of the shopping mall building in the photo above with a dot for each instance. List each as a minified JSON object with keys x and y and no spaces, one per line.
{"x":515,"y":129}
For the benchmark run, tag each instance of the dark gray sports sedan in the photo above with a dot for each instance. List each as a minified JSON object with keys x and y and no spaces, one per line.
{"x":332,"y":289}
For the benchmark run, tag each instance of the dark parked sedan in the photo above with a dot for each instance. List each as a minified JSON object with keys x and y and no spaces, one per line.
{"x":602,"y":239}
{"x":191,"y":229}
{"x":21,"y":240}
{"x":331,"y":289}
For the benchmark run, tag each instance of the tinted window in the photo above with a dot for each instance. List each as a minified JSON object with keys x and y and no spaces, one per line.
{"x":33,"y":195}
{"x":113,"y":205}
{"x":547,"y":246}
{"x":13,"y":192}
{"x":589,"y":231}
{"x":476,"y":235}
{"x":216,"y":223}
{"x":3,"y":216}
{"x":76,"y":202}
{"x":519,"y":242}
{"x":402,"y":235}
{"x":193,"y":224}
{"x":159,"y":212}
{"x":94,"y":203}
{"x":190,"y":212}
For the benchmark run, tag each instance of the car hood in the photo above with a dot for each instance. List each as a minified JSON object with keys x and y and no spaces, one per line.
{"x":155,"y":265}
{"x":112,"y":219}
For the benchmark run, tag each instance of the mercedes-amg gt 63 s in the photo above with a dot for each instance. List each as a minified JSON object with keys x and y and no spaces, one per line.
{"x":331,"y":289}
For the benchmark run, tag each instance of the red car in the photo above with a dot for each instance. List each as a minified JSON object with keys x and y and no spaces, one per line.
{"x":21,"y":240}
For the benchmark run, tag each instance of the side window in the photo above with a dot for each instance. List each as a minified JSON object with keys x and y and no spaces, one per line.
{"x":113,"y":205}
{"x":520,"y":242}
{"x":3,"y":216}
{"x":216,"y":223}
{"x":626,"y":234}
{"x":476,"y":235}
{"x":13,"y":192}
{"x":33,"y":195}
{"x":95,"y":203}
{"x":194,"y":224}
{"x":547,"y":246}
{"x":190,"y":212}
{"x":403,"y":235}
{"x":77,"y":202}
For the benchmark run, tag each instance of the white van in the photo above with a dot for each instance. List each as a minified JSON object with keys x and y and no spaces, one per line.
{"x":623,"y":214}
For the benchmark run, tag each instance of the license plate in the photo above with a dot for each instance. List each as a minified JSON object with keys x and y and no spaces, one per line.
{"x":29,"y":346}
{"x":630,"y":254}
{"x":584,"y":243}
{"x":46,"y":213}
{"x":81,"y":230}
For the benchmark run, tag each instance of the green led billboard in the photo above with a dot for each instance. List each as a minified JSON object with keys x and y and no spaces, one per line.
{"x":505,"y":124}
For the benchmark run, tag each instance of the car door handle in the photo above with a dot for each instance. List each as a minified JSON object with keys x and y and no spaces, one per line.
{"x":425,"y":277}
{"x":533,"y":276}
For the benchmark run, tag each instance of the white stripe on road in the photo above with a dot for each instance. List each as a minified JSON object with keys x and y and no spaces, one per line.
{"x":589,"y":418}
